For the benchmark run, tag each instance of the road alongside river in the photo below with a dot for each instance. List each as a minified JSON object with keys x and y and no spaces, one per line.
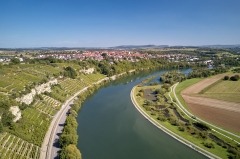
{"x":50,"y":148}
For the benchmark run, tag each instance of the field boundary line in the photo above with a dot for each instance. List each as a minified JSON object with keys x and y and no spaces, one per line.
{"x":179,"y":104}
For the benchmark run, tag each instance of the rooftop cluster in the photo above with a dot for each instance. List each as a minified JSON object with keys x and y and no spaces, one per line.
{"x":118,"y":56}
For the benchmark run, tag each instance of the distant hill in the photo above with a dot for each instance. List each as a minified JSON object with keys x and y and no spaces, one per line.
{"x":126,"y":47}
{"x":139,"y":46}
{"x":221,"y":46}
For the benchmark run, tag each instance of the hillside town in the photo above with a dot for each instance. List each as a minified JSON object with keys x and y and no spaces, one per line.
{"x":117,"y":56}
{"x":114,"y":56}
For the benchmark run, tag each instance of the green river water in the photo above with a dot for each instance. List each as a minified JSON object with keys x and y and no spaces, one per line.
{"x":110,"y":127}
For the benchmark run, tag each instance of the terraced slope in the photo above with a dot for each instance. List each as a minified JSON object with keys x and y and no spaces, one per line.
{"x":23,"y":139}
{"x":14,"y":147}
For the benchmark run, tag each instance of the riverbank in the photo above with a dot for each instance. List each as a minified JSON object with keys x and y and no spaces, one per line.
{"x":50,"y":147}
{"x":164,"y":129}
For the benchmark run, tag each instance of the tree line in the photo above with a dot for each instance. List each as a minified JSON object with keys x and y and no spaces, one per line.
{"x":69,"y":137}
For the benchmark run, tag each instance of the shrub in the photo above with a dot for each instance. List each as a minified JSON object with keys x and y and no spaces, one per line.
{"x":226,"y":78}
{"x":234,"y":78}
{"x":203,"y":134}
{"x":174,"y":122}
{"x":153,"y":83}
{"x":233,"y":151}
{"x":23,"y":106}
{"x":208,"y":144}
{"x":153,"y":113}
{"x":140,"y":94}
{"x":202,"y":126}
{"x":15,"y":60}
{"x":181,"y":128}
{"x":161,"y":118}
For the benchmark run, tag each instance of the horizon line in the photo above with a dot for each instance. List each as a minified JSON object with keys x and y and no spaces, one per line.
{"x":123,"y":46}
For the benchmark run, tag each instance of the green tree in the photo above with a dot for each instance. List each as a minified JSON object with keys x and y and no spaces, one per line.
{"x":70,"y":152}
{"x":71,"y":121}
{"x":105,"y":68}
{"x":73,"y":113}
{"x":15,"y":60}
{"x":70,"y":72}
{"x":69,"y":129}
{"x":7,"y":118}
{"x":67,"y":139}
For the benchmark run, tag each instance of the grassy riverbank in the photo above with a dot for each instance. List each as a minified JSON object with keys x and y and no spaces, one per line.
{"x":173,"y":122}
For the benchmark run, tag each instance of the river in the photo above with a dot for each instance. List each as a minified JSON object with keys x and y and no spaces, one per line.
{"x":110,"y":127}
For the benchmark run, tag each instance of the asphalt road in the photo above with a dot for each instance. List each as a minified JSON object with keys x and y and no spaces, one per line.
{"x":51,"y":148}
{"x":55,"y":150}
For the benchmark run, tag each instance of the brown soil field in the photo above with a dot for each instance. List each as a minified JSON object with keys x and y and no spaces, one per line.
{"x":222,"y":113}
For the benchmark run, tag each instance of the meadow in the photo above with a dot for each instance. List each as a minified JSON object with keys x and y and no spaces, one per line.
{"x":224,"y":90}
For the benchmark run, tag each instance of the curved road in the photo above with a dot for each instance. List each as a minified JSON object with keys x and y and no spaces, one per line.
{"x":50,"y":148}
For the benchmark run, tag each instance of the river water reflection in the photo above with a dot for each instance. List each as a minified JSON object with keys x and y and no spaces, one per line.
{"x":111,"y":128}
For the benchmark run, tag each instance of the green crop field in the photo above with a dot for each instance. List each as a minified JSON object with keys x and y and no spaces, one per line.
{"x":224,"y":90}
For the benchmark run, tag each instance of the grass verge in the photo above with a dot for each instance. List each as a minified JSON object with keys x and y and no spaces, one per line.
{"x":181,"y":86}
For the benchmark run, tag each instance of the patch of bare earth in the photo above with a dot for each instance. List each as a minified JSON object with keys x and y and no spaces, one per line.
{"x":222,"y":113}
{"x":150,"y":95}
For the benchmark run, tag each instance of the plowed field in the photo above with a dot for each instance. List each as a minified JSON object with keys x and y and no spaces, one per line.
{"x":222,"y":113}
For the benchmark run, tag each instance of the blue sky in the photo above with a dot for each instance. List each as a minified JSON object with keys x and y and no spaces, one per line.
{"x":104,"y":23}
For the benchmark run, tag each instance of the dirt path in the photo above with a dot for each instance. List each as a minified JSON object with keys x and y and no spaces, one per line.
{"x":222,"y":113}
